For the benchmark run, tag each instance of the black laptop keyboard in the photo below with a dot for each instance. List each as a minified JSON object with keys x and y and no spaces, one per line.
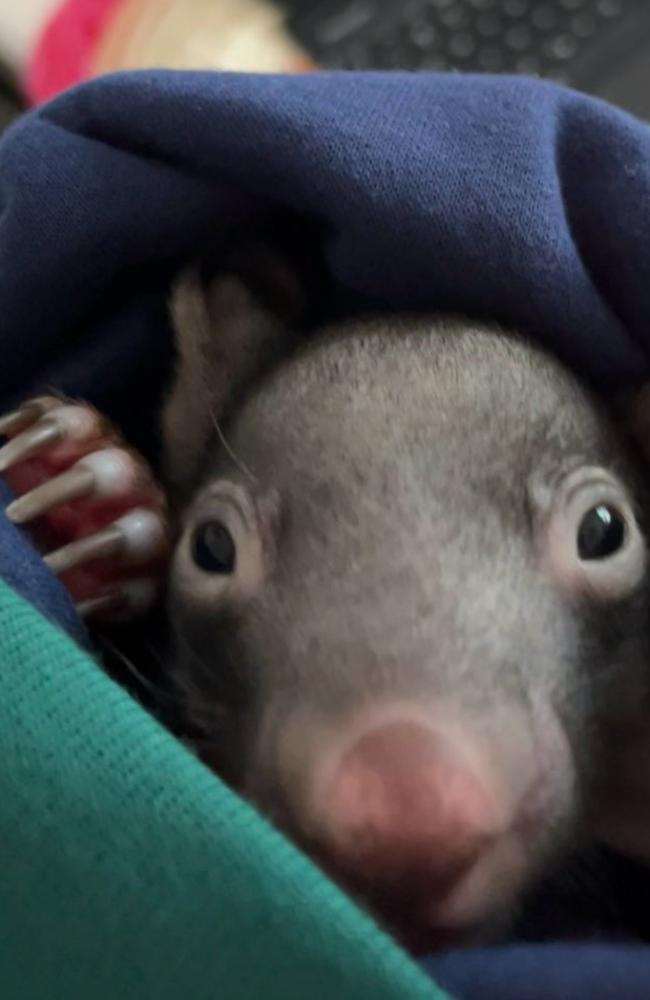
{"x":559,"y":39}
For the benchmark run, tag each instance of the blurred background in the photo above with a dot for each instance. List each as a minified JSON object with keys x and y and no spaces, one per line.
{"x":600,"y":46}
{"x":9,"y":103}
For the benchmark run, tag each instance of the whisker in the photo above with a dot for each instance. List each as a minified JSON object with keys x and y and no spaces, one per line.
{"x":194,"y":656}
{"x":165,"y":701}
{"x":145,"y":682}
{"x":238,"y":462}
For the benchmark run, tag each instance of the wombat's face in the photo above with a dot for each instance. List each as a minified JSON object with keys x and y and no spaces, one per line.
{"x":403,"y":598}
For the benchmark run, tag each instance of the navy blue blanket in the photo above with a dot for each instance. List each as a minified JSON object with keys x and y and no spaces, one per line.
{"x":504,"y":198}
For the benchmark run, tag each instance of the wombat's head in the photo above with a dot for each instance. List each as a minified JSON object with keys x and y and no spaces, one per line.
{"x":410,"y":579}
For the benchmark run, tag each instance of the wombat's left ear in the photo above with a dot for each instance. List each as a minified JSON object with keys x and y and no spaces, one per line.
{"x":231,"y":323}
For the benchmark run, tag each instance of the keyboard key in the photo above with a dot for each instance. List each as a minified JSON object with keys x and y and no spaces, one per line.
{"x":462,"y":45}
{"x":610,"y":8}
{"x":584,"y":25}
{"x":544,"y":17}
{"x":423,"y":34}
{"x":491,"y":59}
{"x":489,"y":25}
{"x":530,"y":64}
{"x":518,"y":38}
{"x":561,"y":47}
{"x":516,"y":8}
{"x":454,"y":17}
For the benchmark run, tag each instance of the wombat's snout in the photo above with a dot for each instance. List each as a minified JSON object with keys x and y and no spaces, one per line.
{"x":399,"y":805}
{"x":399,"y":802}
{"x":407,"y":814}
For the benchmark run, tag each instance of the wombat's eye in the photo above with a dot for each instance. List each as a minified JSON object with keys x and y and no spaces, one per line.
{"x":601,"y":533}
{"x":588,"y":535}
{"x":213,"y":548}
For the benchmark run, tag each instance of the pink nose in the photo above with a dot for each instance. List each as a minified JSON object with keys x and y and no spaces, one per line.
{"x":400,"y":804}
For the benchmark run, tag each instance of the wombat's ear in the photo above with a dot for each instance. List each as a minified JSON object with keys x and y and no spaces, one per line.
{"x":230,"y":325}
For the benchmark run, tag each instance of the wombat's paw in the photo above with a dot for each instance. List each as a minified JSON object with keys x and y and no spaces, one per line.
{"x":92,"y":505}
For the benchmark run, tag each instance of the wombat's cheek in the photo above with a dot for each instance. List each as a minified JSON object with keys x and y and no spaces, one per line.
{"x":90,"y":504}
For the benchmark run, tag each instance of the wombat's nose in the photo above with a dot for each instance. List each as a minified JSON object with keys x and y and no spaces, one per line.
{"x":400,"y":806}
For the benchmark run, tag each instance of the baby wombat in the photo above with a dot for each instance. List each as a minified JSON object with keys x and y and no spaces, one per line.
{"x":409,"y":595}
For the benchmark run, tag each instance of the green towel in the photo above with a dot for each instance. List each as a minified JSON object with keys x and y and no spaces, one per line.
{"x":130,"y":871}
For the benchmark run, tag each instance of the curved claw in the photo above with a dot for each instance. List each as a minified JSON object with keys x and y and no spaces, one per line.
{"x":102,"y":473}
{"x":62,"y":423}
{"x":42,"y":434}
{"x":26,"y":415}
{"x":137,"y":536}
{"x":134,"y":597}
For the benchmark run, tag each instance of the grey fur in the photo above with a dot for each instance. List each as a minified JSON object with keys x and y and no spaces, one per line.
{"x":393,"y":467}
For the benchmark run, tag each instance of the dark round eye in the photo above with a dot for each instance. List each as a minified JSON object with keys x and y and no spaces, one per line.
{"x":213,"y":548}
{"x":601,"y":533}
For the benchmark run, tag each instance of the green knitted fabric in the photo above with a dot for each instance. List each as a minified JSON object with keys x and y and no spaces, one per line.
{"x":130,"y":871}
